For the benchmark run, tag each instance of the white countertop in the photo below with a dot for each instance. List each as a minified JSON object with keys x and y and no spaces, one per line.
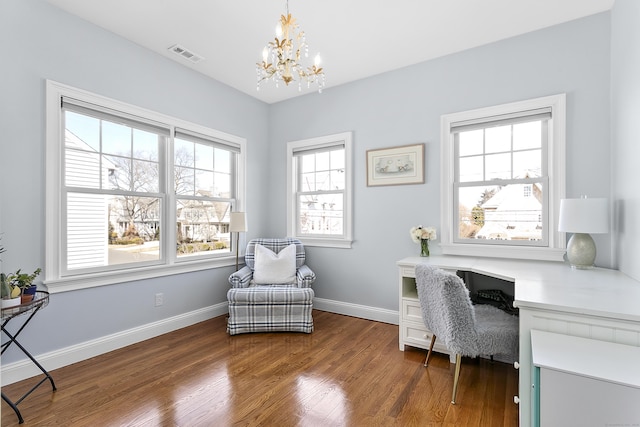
{"x":548,"y":285}
{"x":611,"y":362}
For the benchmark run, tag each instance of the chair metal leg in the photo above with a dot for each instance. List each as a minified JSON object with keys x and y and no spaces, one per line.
{"x":455,"y":379}
{"x":433,"y":341}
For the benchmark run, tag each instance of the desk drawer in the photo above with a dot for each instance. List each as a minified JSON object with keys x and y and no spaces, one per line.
{"x":411,"y":310}
{"x":416,"y":335}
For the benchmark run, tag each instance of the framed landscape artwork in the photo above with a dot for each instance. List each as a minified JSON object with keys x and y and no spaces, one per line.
{"x":396,"y":165}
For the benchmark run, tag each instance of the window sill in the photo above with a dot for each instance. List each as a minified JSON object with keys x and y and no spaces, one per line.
{"x":73,"y":283}
{"x":493,"y":251}
{"x":325,"y":242}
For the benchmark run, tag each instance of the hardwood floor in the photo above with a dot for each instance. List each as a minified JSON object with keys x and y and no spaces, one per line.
{"x":348,"y":372}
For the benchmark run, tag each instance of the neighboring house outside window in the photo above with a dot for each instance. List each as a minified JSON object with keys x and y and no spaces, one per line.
{"x":502,"y":180}
{"x":139,"y":194}
{"x":319,"y":190}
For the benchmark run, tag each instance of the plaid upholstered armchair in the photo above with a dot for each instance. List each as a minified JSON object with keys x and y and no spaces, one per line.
{"x":272,"y":292}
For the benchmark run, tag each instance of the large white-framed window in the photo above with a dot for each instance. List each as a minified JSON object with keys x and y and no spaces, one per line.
{"x":502,"y":178}
{"x":319,"y":190}
{"x":132,"y":193}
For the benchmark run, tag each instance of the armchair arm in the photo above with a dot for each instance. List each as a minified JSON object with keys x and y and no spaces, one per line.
{"x":241,"y":278}
{"x":305,"y":276}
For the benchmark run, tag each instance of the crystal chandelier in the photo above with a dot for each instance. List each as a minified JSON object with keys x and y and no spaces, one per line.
{"x":281,"y":57}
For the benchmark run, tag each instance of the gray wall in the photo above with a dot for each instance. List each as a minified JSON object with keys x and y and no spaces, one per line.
{"x":404,"y":107}
{"x":396,"y":108}
{"x":42,"y":42}
{"x":625,"y":107}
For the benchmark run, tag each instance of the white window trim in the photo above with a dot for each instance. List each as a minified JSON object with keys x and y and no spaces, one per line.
{"x":332,"y":242}
{"x":556,"y":172}
{"x":53,"y":161}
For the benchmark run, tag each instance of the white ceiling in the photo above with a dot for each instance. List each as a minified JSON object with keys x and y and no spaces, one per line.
{"x":356,"y":38}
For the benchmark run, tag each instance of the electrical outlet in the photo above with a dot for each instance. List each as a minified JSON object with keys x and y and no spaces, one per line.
{"x":159,"y":300}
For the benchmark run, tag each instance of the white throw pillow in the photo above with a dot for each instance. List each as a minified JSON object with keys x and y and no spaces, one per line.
{"x":271,"y":268}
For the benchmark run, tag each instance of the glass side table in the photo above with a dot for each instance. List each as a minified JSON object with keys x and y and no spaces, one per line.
{"x":40,"y":301}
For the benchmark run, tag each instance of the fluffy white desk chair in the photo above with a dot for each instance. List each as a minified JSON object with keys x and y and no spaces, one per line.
{"x":466,"y":330}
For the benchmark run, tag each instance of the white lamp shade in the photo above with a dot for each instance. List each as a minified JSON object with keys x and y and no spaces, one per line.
{"x":584,"y":216}
{"x":237,"y":222}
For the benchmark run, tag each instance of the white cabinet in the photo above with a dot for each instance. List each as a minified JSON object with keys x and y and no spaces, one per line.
{"x":583,"y":382}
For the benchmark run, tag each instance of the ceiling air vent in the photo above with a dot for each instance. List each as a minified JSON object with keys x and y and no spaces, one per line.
{"x":186,"y":53}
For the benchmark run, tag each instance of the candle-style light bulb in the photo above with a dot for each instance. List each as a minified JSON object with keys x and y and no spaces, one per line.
{"x":317,"y":60}
{"x":278,"y":31}
{"x":265,"y":54}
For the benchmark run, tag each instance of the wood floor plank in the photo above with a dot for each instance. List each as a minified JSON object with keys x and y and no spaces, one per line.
{"x":348,"y":372}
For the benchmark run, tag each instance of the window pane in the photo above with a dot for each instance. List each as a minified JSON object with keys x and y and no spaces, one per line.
{"x":222,"y":160}
{"x":321,"y":214}
{"x":204,"y":157}
{"x":322,"y":161}
{"x":498,"y":139}
{"x":511,"y":212}
{"x":82,"y":169}
{"x":145,"y":145}
{"x":307,"y":163}
{"x":204,"y":183}
{"x":82,"y":131}
{"x":337,"y":159}
{"x":323,"y":182}
{"x":119,"y":172}
{"x":308,"y":182}
{"x":222,"y":185}
{"x":116,"y":139}
{"x":471,"y":169}
{"x":498,"y":166}
{"x":470,"y":212}
{"x":527,"y":135}
{"x":183,"y":153}
{"x":470,"y":142}
{"x":337,"y":179}
{"x":145,"y":176}
{"x":202,"y":227}
{"x":109,"y":230}
{"x":184,"y":181}
{"x":527,"y":164}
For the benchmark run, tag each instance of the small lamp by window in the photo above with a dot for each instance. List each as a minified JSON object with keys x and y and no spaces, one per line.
{"x":237,"y":224}
{"x":581,"y":217}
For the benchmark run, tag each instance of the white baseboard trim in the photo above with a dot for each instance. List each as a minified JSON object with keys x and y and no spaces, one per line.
{"x":357,"y":310}
{"x":24,"y":369}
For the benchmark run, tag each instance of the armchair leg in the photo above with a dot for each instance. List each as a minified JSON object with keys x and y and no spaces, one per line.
{"x":433,"y":341}
{"x":455,"y":379}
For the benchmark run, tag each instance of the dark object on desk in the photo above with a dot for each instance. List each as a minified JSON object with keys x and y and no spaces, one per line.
{"x":496,"y":298}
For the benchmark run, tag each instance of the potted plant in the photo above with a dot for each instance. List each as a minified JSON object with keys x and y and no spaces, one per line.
{"x":10,"y":294}
{"x":24,"y":281}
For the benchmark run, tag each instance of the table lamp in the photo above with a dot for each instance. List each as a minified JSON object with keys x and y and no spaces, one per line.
{"x":237,"y":224}
{"x":581,"y":217}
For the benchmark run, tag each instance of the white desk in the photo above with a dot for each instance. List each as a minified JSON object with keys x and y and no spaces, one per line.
{"x":599,"y":304}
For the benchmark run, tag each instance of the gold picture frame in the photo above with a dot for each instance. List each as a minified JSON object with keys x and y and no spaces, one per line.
{"x":396,"y":165}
